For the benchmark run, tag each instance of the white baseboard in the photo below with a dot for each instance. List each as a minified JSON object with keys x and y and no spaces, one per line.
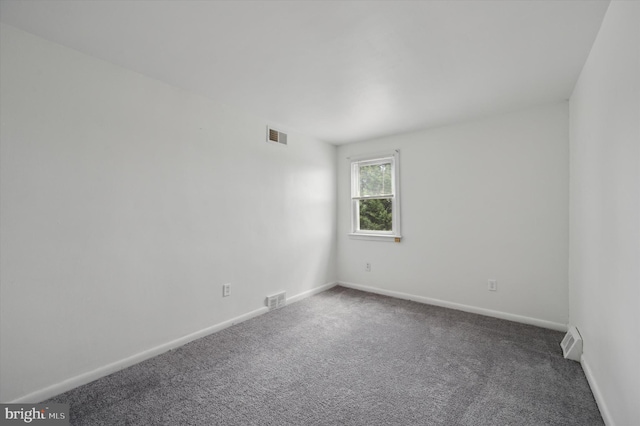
{"x":308,"y":293}
{"x":460,"y":307}
{"x":595,"y":389}
{"x":90,"y":376}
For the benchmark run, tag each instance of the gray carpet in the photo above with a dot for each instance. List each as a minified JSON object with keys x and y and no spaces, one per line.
{"x":346,"y":357}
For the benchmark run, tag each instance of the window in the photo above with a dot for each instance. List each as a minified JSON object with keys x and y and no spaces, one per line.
{"x":375,"y":199}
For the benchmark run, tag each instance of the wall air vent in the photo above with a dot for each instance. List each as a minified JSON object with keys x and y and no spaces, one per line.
{"x":276,"y":136}
{"x":572,"y":344}
{"x":276,"y":301}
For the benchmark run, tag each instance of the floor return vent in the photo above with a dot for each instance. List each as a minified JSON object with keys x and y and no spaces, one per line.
{"x":277,"y":301}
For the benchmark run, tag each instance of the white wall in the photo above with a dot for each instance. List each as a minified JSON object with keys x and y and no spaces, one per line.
{"x":605,"y":213}
{"x":480,"y":200}
{"x":127,"y":203}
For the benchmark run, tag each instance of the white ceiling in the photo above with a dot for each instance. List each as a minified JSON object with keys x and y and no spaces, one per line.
{"x":341,"y":71}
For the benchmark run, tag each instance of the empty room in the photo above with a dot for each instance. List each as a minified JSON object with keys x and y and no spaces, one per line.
{"x":320,"y":212}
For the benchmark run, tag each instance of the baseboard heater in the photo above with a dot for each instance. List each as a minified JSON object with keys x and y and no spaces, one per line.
{"x":572,"y":344}
{"x":276,"y":301}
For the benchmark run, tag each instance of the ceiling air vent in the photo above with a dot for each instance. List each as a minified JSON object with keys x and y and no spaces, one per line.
{"x":275,"y":136}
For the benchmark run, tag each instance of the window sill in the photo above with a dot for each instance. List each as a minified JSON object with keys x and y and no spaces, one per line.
{"x":376,"y":237}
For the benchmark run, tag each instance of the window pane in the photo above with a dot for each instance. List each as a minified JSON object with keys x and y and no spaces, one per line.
{"x":375,"y":179}
{"x":375,"y":215}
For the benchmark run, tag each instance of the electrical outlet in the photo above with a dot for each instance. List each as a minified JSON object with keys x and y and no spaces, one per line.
{"x":493,"y":285}
{"x":367,"y":267}
{"x":226,"y":290}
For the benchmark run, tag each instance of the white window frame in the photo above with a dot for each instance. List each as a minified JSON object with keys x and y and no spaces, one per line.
{"x":355,"y":163}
